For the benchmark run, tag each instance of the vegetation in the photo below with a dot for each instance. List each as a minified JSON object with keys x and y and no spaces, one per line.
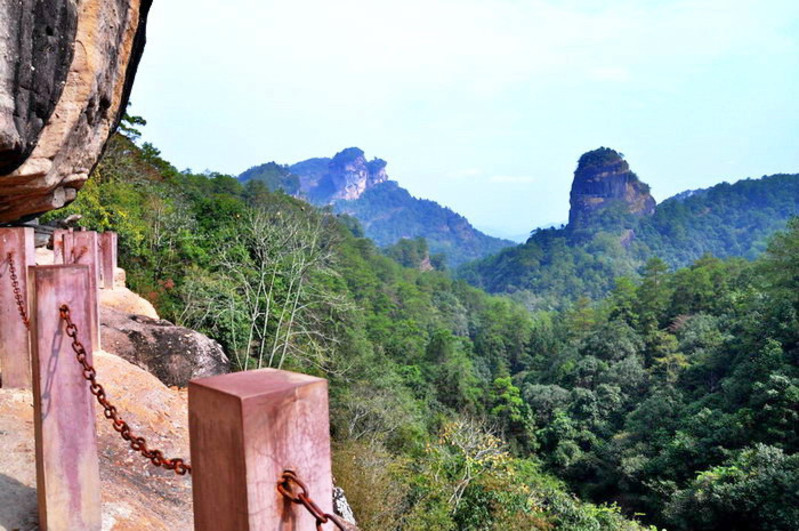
{"x":274,"y":176}
{"x":423,"y":407}
{"x":389,"y":213}
{"x":556,"y":267}
{"x":675,"y":398}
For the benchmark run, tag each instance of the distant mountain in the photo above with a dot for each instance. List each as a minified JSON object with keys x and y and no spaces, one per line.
{"x":274,"y":176}
{"x":346,"y":176}
{"x":388,"y":213}
{"x":603,"y":181}
{"x":615,"y":227}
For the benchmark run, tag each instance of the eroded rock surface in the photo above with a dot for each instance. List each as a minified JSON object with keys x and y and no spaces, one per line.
{"x":66,"y":70}
{"x":603,"y":179}
{"x":346,"y":176}
{"x":172,"y":353}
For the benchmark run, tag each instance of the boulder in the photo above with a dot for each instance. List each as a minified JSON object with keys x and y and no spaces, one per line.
{"x":66,"y":71}
{"x":173,"y":354}
{"x":123,"y":300}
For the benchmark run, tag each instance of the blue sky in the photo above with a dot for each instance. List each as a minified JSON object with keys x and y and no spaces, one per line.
{"x":484,"y":106}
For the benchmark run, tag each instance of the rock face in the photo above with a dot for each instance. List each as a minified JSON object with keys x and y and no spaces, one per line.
{"x":361,"y":189}
{"x":172,"y":353}
{"x":346,"y":176}
{"x":66,"y":70}
{"x":604,"y":179}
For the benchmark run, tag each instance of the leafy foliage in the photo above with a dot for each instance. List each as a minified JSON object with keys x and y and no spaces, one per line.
{"x":425,"y":407}
{"x":674,"y":398}
{"x":555,"y":267}
{"x":274,"y":176}
{"x":389,"y":213}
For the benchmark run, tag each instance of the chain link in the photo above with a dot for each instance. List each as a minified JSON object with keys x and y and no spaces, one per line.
{"x":138,"y":444}
{"x":284,"y":487}
{"x":75,"y":259}
{"x":12,"y":273}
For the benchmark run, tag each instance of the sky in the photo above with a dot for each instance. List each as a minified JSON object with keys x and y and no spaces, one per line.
{"x":482,"y":105}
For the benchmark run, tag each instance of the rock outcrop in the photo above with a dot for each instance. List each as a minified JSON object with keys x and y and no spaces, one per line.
{"x":346,"y":176}
{"x":388,"y":213}
{"x":172,"y":353}
{"x":66,"y":71}
{"x":604,"y":179}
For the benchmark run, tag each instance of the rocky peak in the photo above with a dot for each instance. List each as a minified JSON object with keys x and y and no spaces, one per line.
{"x":346,"y":176}
{"x":604,"y":179}
{"x":351,"y":174}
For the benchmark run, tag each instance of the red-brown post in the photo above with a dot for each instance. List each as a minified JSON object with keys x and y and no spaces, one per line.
{"x":67,"y":470}
{"x":63,"y":246}
{"x":246,"y":429}
{"x":108,"y":258}
{"x":58,"y":246}
{"x":84,"y":251}
{"x":15,"y":359}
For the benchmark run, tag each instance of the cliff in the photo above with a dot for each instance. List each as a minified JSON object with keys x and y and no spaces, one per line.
{"x":66,"y":72}
{"x":387,"y":212}
{"x":346,"y":176}
{"x":602,"y":180}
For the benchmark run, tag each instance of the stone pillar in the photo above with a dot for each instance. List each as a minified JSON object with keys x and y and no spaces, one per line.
{"x":67,"y":469}
{"x":108,"y":259}
{"x":85,"y":251}
{"x":248,"y":428}
{"x":15,"y":360}
{"x":62,"y":246}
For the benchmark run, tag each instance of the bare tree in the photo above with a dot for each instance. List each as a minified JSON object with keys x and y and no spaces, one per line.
{"x":272,"y":304}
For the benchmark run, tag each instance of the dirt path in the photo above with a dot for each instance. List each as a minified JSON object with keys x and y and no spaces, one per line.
{"x":136,"y":496}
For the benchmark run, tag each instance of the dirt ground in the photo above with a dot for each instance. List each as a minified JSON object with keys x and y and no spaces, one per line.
{"x":136,"y":495}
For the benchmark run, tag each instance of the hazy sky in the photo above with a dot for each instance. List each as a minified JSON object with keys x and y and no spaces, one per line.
{"x":482,"y":105}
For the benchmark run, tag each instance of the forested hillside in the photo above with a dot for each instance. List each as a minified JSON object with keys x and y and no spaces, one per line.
{"x":390,"y":213}
{"x":387,"y":212}
{"x":557,"y":266}
{"x":675,"y":398}
{"x":430,"y":432}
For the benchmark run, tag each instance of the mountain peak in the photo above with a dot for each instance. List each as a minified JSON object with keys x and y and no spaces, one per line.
{"x":603,"y":179}
{"x":345,"y":176}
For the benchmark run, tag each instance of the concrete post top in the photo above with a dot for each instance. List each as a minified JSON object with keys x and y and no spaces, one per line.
{"x":259,"y":382}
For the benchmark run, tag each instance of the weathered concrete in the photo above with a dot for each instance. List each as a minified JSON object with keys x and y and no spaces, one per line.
{"x":67,"y":469}
{"x":246,"y":429}
{"x":85,"y":250}
{"x":15,"y":359}
{"x":108,"y":259}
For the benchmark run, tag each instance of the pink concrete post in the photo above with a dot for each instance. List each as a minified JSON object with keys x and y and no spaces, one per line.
{"x":84,"y":251}
{"x":108,"y":254}
{"x":67,"y":470}
{"x":62,"y":246}
{"x":58,"y":246}
{"x":246,"y":429}
{"x":15,"y":359}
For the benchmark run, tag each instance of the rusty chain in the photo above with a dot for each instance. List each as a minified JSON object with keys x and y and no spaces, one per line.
{"x":76,"y":259}
{"x":284,"y":487}
{"x":138,"y":444}
{"x":12,"y":273}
